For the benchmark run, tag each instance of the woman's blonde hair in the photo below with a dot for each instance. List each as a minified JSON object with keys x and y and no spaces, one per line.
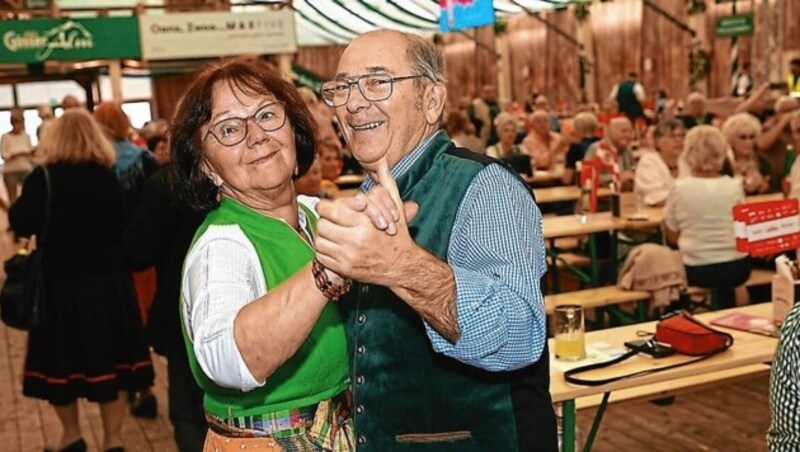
{"x":504,"y":118}
{"x":704,"y":150}
{"x":75,"y":137}
{"x":741,"y":123}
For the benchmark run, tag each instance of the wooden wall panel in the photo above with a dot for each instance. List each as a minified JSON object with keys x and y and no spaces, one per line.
{"x":617,"y":42}
{"x":562,"y":68}
{"x":167,"y":92}
{"x":527,"y":48}
{"x":719,"y":76}
{"x":321,"y":60}
{"x":666,"y":48}
{"x":791,"y":27}
{"x":468,"y":65}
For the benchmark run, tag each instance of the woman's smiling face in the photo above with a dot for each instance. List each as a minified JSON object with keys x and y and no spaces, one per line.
{"x":262,"y":161}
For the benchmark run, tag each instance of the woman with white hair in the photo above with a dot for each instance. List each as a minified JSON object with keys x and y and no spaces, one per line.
{"x":741,"y":131}
{"x":506,"y":149}
{"x":699,"y":216}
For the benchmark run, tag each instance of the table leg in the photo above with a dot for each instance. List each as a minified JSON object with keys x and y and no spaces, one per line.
{"x":595,"y":264}
{"x":596,"y":424}
{"x":568,"y":426}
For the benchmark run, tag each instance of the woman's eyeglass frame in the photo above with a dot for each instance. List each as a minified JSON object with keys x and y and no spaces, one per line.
{"x":245,"y":127}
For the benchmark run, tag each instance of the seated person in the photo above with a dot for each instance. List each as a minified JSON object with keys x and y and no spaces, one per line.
{"x":330,"y":159}
{"x":657,"y":170}
{"x":506,"y":127}
{"x":462,"y":132}
{"x":699,"y":216}
{"x":543,"y":144}
{"x":695,"y":113}
{"x":742,"y":130}
{"x":585,"y":125}
{"x":615,"y":153}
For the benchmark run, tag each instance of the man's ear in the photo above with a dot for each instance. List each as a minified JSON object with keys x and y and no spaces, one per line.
{"x":434,"y":103}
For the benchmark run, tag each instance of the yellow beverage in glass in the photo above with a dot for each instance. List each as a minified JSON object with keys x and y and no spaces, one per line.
{"x":570,"y":346}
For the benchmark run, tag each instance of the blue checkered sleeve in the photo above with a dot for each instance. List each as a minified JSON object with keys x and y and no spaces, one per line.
{"x":497,"y":255}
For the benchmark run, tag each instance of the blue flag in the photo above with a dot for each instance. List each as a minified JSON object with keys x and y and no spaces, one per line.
{"x":460,"y":14}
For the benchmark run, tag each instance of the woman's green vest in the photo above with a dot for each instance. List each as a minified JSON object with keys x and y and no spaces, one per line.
{"x":318,"y":370}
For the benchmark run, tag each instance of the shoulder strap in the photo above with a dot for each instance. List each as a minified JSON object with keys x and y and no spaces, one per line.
{"x":47,"y":205}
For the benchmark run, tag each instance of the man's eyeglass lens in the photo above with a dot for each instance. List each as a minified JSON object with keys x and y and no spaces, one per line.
{"x":374,"y":88}
{"x":233,"y":131}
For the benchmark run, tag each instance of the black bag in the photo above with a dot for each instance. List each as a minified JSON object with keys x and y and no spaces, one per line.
{"x":23,"y":302}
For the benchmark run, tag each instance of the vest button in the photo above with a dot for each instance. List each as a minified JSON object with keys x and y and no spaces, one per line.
{"x":362,"y":439}
{"x":359,"y":409}
{"x":364,"y":289}
{"x":362,"y":318}
{"x":360,"y":380}
{"x":360,"y":349}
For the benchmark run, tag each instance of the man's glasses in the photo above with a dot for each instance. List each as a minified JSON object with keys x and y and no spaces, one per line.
{"x":374,"y":88}
{"x":747,"y":137}
{"x":232,"y":131}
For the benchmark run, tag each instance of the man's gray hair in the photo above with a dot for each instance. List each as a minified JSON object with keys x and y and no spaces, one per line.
{"x":426,"y":58}
{"x":668,"y":126}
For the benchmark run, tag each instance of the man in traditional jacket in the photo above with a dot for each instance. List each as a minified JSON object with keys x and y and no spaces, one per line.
{"x":445,"y":319}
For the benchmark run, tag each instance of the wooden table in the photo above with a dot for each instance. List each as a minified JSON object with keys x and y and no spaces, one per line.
{"x":546,"y":195}
{"x":540,"y":177}
{"x":349,"y":180}
{"x":748,"y":349}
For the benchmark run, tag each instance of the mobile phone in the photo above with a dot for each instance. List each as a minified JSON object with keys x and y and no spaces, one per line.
{"x":777,"y":85}
{"x":651,"y":347}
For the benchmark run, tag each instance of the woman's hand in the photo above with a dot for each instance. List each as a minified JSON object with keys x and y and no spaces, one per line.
{"x":381,"y":209}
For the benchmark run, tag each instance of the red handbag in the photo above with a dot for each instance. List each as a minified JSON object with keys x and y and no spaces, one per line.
{"x":687,"y":335}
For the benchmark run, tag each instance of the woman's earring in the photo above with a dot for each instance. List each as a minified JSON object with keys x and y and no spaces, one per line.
{"x":296,"y":170}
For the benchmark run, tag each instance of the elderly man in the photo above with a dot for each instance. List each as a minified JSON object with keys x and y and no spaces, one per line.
{"x":695,"y":113}
{"x":446,"y":320}
{"x":615,"y":153}
{"x":777,"y":136}
{"x":543,"y":144}
{"x":543,"y":104}
{"x":629,"y":95}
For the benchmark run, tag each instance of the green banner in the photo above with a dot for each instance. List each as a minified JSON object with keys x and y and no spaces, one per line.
{"x":38,"y":40}
{"x":738,"y":25}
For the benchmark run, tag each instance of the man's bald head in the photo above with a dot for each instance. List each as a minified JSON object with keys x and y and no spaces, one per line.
{"x":620,"y":132}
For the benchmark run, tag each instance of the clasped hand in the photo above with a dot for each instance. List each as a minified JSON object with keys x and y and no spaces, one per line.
{"x":366,"y":237}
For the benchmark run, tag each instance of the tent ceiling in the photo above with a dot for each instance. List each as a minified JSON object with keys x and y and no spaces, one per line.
{"x":339,"y":21}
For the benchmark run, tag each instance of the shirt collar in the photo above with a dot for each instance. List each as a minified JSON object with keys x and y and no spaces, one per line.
{"x":404,"y":164}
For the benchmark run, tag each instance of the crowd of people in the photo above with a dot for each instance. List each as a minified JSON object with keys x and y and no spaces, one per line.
{"x":410,"y":315}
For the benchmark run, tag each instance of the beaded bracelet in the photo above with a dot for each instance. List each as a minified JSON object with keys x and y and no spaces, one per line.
{"x":330,"y":290}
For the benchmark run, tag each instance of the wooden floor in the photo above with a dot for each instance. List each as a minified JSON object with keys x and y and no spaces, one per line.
{"x":730,"y":418}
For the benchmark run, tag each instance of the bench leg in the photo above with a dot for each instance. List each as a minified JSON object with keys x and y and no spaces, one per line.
{"x":601,"y":410}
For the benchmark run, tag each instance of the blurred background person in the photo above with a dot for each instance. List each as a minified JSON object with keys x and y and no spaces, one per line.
{"x":586,"y":125}
{"x":330,"y":160}
{"x":462,"y":133}
{"x":741,"y":131}
{"x":17,"y":151}
{"x":698,"y":217}
{"x":629,"y":96}
{"x":777,"y":136}
{"x":94,"y":346}
{"x":45,"y":113}
{"x":657,"y":169}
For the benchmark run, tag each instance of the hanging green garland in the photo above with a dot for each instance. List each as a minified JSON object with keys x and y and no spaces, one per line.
{"x":695,"y":6}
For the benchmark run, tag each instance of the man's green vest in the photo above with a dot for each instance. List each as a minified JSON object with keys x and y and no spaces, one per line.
{"x":627,"y":101}
{"x":402,"y":389}
{"x":318,"y":370}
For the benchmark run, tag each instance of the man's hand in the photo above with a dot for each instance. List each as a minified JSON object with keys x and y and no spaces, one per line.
{"x":366,"y":237}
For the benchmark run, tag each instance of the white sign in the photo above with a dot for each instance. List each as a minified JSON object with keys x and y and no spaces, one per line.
{"x":201,"y":35}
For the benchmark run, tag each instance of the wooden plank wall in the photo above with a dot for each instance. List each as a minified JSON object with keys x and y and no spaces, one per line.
{"x":616,"y":27}
{"x":527,"y":51}
{"x":321,"y":60}
{"x":470,"y":62}
{"x":665,"y":51}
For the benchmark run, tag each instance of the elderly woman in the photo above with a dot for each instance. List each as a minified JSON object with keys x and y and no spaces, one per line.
{"x":742,"y":131}
{"x":265,"y":343}
{"x":543,"y":144}
{"x":506,"y":149}
{"x":94,"y":346}
{"x":699,"y":216}
{"x":585,"y":125}
{"x":657,"y":170}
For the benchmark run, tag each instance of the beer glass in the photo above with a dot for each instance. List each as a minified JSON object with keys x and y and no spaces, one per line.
{"x":570,"y":345}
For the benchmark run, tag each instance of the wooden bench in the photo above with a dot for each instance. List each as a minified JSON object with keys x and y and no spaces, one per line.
{"x":598,"y":297}
{"x":758,"y":277}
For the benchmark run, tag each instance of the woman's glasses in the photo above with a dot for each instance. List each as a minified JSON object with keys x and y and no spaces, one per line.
{"x":232,"y":131}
